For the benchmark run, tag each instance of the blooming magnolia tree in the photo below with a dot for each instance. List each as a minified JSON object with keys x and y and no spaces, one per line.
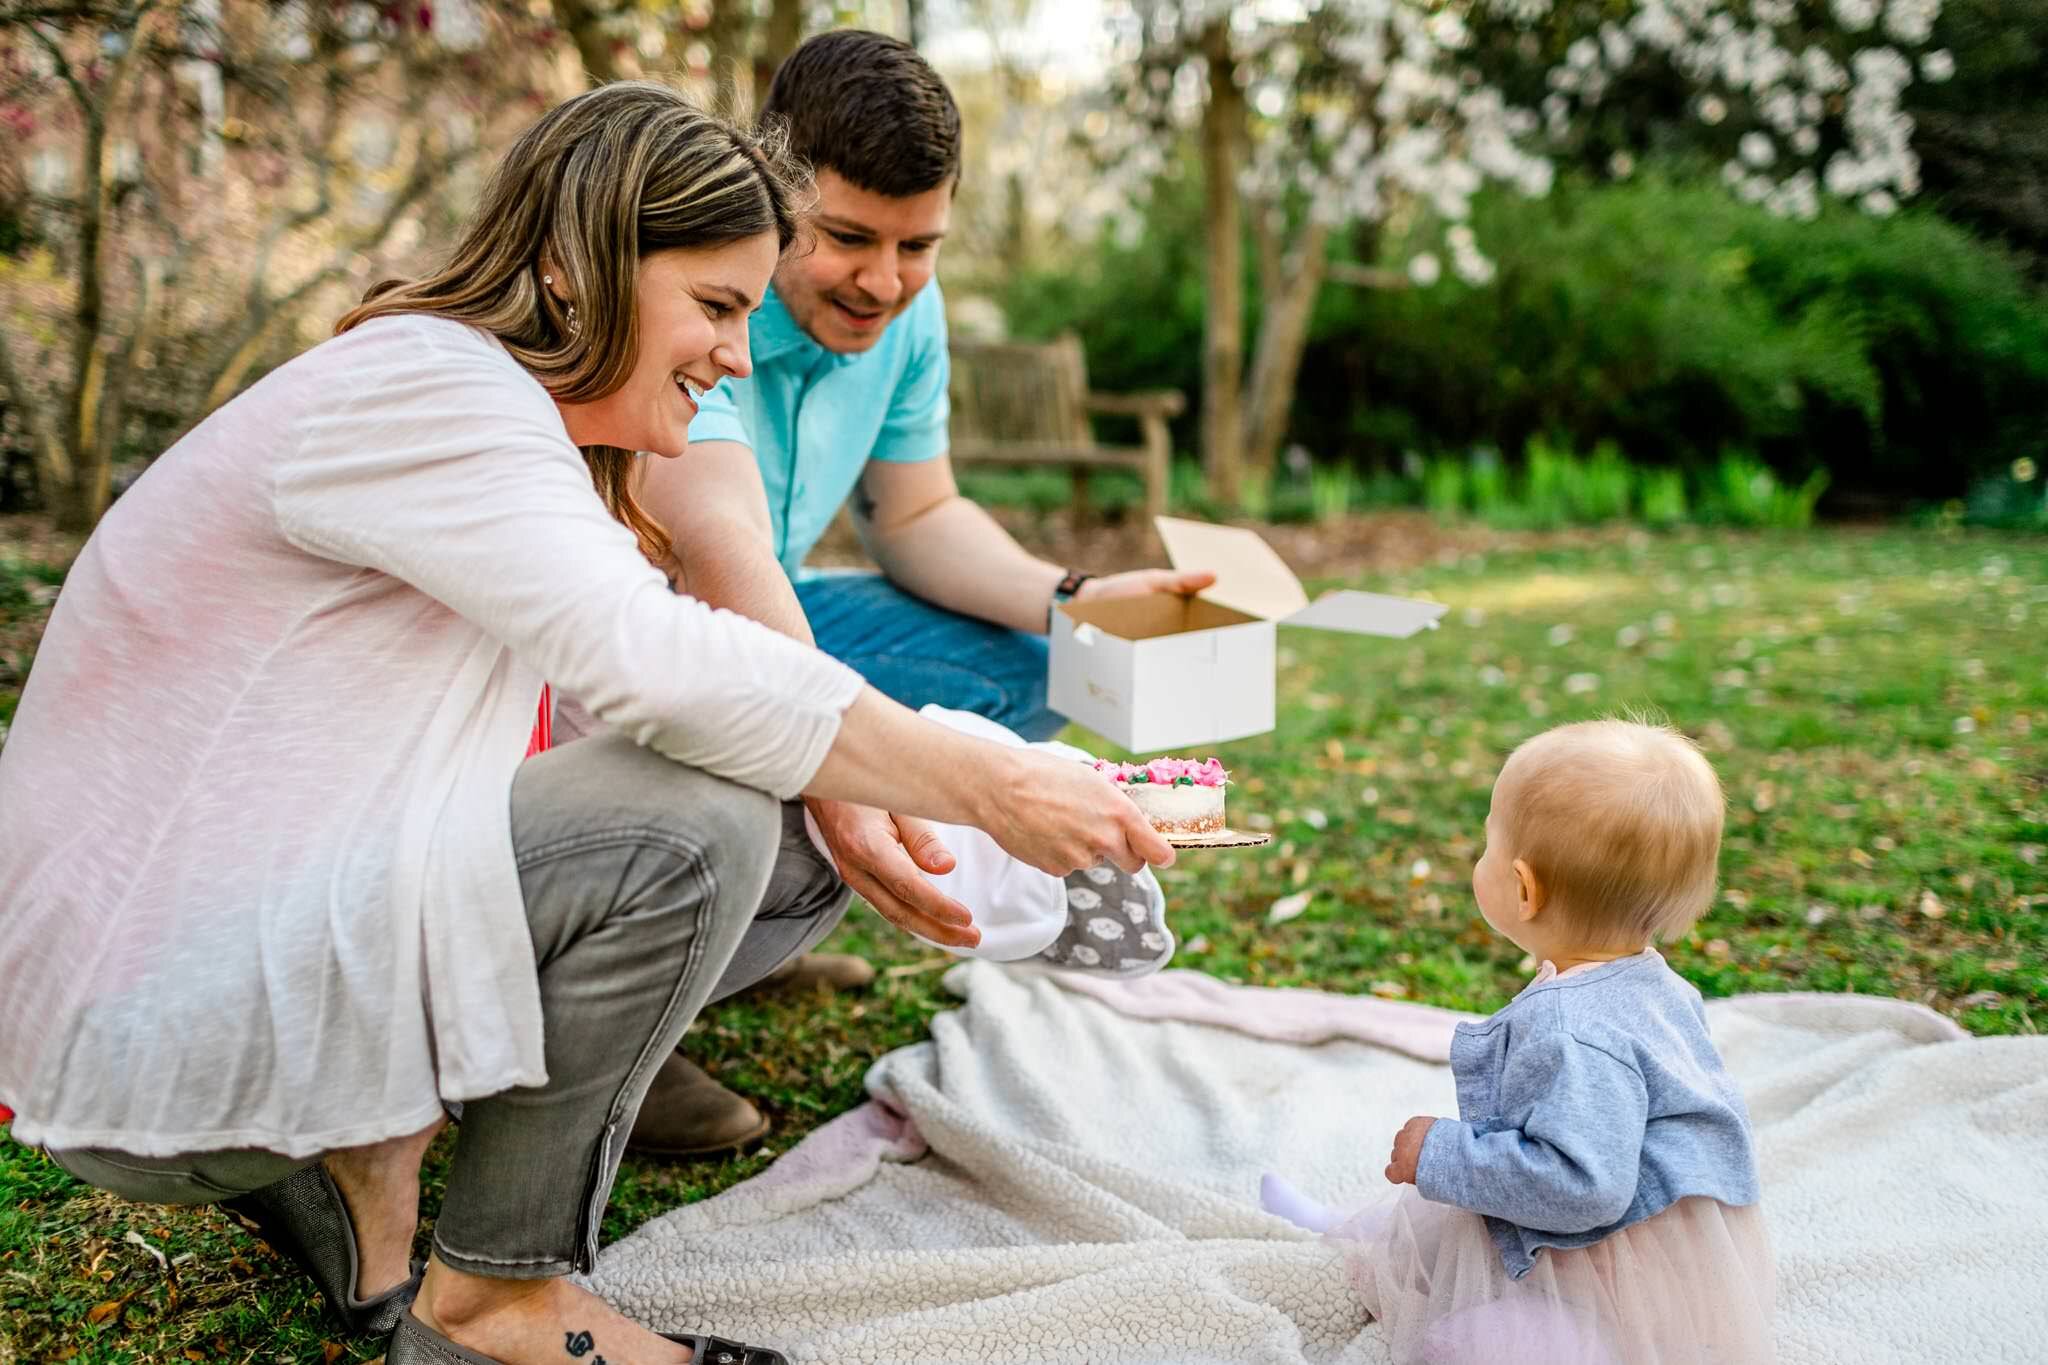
{"x":1320,"y":116}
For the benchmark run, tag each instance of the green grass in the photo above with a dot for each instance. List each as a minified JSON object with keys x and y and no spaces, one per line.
{"x":1876,"y":704}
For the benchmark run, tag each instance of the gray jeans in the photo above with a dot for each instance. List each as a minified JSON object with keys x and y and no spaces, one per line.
{"x":651,"y":889}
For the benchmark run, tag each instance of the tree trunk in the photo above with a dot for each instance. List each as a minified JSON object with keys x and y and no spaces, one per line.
{"x":1288,"y":307}
{"x":54,"y":475}
{"x":581,"y":20}
{"x":914,"y":23}
{"x":779,"y":38}
{"x":730,"y":36}
{"x":95,"y":353}
{"x":1223,"y":232}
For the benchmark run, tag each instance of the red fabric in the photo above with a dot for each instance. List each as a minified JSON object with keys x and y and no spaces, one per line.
{"x":543,"y":737}
{"x":6,"y":1114}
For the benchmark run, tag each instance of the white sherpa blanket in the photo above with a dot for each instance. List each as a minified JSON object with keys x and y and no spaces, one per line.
{"x":1068,"y":1171}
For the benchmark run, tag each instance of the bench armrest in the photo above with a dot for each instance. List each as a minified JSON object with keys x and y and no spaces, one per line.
{"x":1149,"y":403}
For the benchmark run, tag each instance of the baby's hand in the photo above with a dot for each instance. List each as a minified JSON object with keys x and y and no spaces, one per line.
{"x":1408,"y":1150}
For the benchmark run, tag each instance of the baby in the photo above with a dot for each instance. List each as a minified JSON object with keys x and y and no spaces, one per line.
{"x":1596,"y":1198}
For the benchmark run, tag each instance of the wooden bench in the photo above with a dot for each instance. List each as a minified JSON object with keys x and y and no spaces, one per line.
{"x":1019,"y":403}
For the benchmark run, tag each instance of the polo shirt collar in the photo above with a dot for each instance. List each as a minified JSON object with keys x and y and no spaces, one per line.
{"x":775,"y":334}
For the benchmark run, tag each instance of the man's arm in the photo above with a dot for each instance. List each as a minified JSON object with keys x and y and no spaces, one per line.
{"x":712,"y":503}
{"x":935,"y":544}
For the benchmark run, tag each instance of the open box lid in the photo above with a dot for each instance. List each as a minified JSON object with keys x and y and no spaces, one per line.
{"x":1253,"y":579}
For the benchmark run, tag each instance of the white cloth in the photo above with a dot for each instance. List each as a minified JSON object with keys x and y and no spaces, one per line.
{"x":1088,"y":1188}
{"x":1020,"y":910}
{"x":256,"y":875}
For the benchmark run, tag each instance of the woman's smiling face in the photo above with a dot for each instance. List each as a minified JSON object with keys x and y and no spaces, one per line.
{"x":693,"y":305}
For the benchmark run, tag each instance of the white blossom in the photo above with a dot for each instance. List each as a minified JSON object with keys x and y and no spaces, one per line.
{"x":1798,"y":198}
{"x":1366,"y":110}
{"x":1471,"y":267}
{"x":1911,"y":21}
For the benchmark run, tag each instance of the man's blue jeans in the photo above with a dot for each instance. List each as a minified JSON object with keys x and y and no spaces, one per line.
{"x":920,"y":654}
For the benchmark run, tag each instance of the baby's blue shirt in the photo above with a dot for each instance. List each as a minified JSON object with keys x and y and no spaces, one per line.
{"x":1592,"y":1102}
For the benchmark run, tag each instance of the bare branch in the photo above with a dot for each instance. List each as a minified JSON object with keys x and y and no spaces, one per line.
{"x":55,"y":51}
{"x":1368,"y":276}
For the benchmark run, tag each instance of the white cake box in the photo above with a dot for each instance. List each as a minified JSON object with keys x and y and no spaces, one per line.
{"x":1164,"y":671}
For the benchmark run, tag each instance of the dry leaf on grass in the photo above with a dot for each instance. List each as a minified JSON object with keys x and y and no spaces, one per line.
{"x":1287,"y":907}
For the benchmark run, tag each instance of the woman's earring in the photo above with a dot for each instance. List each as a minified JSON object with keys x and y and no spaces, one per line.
{"x":572,"y":318}
{"x":547,"y":279}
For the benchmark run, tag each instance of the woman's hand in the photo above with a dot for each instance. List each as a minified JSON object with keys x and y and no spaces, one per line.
{"x":885,"y":858}
{"x":1408,"y":1150}
{"x":1060,"y":815}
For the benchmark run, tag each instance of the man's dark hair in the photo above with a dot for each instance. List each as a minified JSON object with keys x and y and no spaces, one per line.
{"x":868,"y":107}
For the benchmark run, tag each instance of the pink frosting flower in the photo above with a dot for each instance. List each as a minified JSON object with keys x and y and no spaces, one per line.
{"x":1167,"y":772}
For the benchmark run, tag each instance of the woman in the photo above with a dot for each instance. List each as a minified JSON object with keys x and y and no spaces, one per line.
{"x":275,"y":886}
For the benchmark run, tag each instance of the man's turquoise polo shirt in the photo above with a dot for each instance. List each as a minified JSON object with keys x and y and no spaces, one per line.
{"x":814,"y":418}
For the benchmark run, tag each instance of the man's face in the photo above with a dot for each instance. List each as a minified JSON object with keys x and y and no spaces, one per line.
{"x":873,"y":254}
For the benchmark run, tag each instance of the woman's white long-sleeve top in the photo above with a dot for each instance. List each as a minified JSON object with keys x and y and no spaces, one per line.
{"x":257,"y":885}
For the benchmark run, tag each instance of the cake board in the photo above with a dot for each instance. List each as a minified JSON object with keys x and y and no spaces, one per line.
{"x":1221,"y":838}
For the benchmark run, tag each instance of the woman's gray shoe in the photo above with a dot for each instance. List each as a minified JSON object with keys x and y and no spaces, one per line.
{"x":303,"y":1216}
{"x":415,"y":1343}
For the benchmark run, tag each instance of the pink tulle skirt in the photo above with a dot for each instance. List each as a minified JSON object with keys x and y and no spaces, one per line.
{"x":1696,"y":1283}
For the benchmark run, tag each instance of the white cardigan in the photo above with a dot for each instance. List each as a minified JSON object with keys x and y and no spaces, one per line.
{"x":256,"y":873}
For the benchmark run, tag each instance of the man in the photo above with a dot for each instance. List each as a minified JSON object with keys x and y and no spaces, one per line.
{"x":847,"y":405}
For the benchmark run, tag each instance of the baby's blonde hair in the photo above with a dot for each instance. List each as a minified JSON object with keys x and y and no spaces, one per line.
{"x":1621,"y":821}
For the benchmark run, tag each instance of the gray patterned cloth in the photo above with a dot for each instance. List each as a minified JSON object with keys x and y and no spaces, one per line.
{"x":1116,"y":924}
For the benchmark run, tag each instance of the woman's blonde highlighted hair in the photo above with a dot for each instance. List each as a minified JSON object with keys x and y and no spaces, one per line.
{"x":596,"y":185}
{"x":1621,"y":820}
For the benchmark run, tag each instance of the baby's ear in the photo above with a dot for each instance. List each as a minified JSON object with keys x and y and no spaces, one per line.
{"x":1529,"y":891}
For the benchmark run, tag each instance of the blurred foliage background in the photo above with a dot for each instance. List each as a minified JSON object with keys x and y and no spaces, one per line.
{"x":191,"y":191}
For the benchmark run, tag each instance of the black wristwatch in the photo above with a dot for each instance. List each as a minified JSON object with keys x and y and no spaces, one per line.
{"x":1064,"y":592}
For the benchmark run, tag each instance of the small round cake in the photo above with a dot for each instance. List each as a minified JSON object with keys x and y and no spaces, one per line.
{"x":1178,"y":795}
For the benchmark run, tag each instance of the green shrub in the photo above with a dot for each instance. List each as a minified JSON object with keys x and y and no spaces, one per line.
{"x":1603,"y":487}
{"x":1900,"y":354}
{"x":2014,"y":500}
{"x":1443,"y":488}
{"x":1742,"y":491}
{"x":1663,"y":498}
{"x":1333,"y":491}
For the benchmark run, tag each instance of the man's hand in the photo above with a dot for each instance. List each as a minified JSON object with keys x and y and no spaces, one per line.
{"x":1138,"y":582}
{"x":1408,"y":1150}
{"x":884,"y":857}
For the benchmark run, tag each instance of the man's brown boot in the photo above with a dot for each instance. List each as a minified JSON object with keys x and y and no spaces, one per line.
{"x":686,"y":1113}
{"x":832,"y":971}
